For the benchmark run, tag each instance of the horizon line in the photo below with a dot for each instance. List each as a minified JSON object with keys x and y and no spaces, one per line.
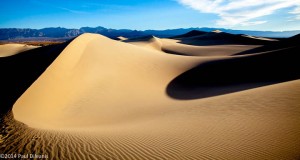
{"x":151,"y":29}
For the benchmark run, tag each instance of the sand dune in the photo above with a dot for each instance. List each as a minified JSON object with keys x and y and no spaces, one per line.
{"x":19,"y":71}
{"x":259,"y":38}
{"x":199,"y":43}
{"x":175,"y":47}
{"x":105,"y":99}
{"x":172,"y":46}
{"x":221,"y":38}
{"x":192,"y":33}
{"x":121,"y":38}
{"x":279,"y":45}
{"x":150,"y":42}
{"x":12,"y":49}
{"x":237,"y":73}
{"x":84,"y":73}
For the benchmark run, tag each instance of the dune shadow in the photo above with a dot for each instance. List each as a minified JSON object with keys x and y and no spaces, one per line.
{"x":174,"y":52}
{"x":19,"y":71}
{"x":278,"y":45}
{"x":209,"y":39}
{"x":236,"y":74}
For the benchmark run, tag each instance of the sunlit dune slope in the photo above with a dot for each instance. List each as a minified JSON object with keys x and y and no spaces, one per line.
{"x":98,"y":77}
{"x":12,"y":49}
{"x":19,"y":71}
{"x":111,"y":99}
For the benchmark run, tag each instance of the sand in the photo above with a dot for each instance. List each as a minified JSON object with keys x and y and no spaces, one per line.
{"x":150,"y":42}
{"x":79,"y":79}
{"x":12,"y":49}
{"x":121,"y":38}
{"x":105,"y":99}
{"x":173,"y":46}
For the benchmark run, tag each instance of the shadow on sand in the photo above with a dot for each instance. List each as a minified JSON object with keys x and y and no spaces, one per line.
{"x":211,"y":38}
{"x":236,"y":74}
{"x":19,"y":71}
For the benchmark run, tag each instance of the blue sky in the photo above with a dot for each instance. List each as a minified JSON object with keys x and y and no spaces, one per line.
{"x":277,"y":15}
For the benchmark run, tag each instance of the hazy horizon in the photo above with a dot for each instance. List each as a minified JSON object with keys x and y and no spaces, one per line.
{"x":153,"y":29}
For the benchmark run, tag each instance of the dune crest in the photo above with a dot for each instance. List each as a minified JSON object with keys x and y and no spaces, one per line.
{"x":94,"y":77}
{"x":12,"y":49}
{"x":149,"y":42}
{"x":109,"y":100}
{"x":121,"y":38}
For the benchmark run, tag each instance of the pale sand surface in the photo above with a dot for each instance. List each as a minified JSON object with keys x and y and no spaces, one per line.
{"x":121,"y":38}
{"x":173,"y":46}
{"x":148,"y":42}
{"x":260,"y":38}
{"x":104,"y":99}
{"x":12,"y":49}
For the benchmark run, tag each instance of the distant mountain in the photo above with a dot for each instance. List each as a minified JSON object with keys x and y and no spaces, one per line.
{"x":12,"y":34}
{"x":16,"y":33}
{"x":180,"y":31}
{"x":270,"y":34}
{"x":63,"y":33}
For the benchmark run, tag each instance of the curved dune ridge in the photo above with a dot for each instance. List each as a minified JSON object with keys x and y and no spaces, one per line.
{"x":104,"y":99}
{"x":217,"y":38}
{"x":100,"y":75}
{"x":12,"y":49}
{"x":174,"y":46}
{"x":151,"y":42}
{"x":215,"y":43}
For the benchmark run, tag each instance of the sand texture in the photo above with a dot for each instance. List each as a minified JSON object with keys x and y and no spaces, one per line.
{"x":153,"y":98}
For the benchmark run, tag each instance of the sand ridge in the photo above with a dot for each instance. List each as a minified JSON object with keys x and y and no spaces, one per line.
{"x":79,"y":77}
{"x":110,"y":98}
{"x":150,"y":42}
{"x":12,"y":49}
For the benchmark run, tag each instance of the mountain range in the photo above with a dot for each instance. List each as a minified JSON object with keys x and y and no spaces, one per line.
{"x":19,"y":34}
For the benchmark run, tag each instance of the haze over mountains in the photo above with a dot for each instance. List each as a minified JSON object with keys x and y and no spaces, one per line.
{"x":64,"y":33}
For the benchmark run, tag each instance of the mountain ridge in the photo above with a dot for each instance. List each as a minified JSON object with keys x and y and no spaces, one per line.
{"x":12,"y":34}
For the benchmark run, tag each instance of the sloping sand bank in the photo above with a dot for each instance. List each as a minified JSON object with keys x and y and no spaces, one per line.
{"x":103,"y":99}
{"x":12,"y":49}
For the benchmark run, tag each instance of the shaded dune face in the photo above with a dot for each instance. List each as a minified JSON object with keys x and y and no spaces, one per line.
{"x":198,"y":43}
{"x":18,"y":72}
{"x":175,"y":47}
{"x":99,"y":77}
{"x":103,"y":99}
{"x":192,"y":33}
{"x":278,"y":45}
{"x":216,"y":50}
{"x":236,"y":74}
{"x":212,"y":38}
{"x":151,"y":42}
